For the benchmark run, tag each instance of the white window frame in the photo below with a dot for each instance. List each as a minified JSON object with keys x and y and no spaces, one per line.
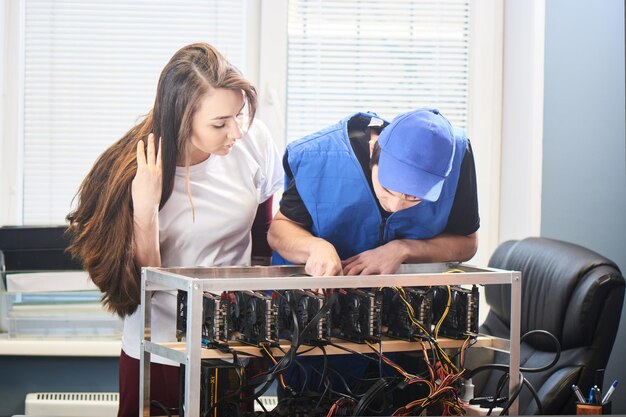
{"x":522,"y":119}
{"x":11,"y":85}
{"x":485,"y":117}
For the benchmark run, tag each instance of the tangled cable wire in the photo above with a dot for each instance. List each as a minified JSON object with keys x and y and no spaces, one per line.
{"x":523,"y":381}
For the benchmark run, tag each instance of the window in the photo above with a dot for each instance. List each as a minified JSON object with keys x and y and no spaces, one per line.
{"x":387,"y":57}
{"x":90,"y":72}
{"x":77,"y":74}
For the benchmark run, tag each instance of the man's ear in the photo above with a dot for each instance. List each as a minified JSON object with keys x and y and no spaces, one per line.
{"x":372,"y":141}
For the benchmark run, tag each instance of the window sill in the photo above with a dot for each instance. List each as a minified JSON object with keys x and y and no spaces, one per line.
{"x":59,"y":347}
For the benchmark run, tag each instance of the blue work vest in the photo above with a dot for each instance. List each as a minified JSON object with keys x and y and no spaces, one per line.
{"x":341,"y":203}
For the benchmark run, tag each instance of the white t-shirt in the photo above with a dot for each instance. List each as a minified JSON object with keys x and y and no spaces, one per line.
{"x":226,"y":191}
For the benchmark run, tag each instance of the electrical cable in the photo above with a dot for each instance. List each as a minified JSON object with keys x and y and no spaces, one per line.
{"x":258,"y":400}
{"x":439,"y":389}
{"x":323,"y":310}
{"x":499,"y":387}
{"x":444,"y":314}
{"x":326,"y":389}
{"x":369,"y":396}
{"x":517,"y":392}
{"x":343,"y":381}
{"x":361,"y":402}
{"x":411,"y":312}
{"x":557,"y":355}
{"x":524,"y":381}
{"x":168,"y":410}
{"x":289,"y":357}
{"x":352,"y":351}
{"x":324,"y":367}
{"x":302,"y":369}
{"x":535,"y":395}
{"x":280,"y":365}
{"x":380,"y":358}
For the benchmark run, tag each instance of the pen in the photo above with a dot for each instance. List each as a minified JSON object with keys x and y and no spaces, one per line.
{"x":597,"y":395}
{"x":579,"y":394}
{"x":609,"y":392}
{"x":592,"y":395}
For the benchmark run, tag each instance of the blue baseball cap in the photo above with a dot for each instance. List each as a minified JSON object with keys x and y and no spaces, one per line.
{"x":416,"y":152}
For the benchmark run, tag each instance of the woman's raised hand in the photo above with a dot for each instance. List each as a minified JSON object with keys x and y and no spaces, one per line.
{"x":147,"y":184}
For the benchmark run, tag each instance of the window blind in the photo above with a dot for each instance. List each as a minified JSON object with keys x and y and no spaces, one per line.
{"x":387,"y":57}
{"x":90,"y":73}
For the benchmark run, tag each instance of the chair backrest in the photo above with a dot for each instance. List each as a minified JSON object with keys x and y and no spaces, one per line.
{"x":570,"y":291}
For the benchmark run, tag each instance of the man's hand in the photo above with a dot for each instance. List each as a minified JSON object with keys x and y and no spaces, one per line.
{"x":382,"y":260}
{"x":323,"y":259}
{"x":296,"y":244}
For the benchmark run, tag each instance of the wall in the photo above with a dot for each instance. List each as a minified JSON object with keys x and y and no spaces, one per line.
{"x":584,"y":172}
{"x":20,"y":375}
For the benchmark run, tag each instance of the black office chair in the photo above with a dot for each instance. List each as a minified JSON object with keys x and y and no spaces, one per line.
{"x":570,"y":291}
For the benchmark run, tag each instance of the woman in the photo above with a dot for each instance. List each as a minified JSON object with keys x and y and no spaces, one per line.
{"x":181,"y":188}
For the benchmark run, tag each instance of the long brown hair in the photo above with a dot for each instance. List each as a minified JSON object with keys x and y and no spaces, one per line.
{"x":101,"y":226}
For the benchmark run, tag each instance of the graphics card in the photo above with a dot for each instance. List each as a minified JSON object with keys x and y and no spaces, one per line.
{"x":403,"y":307}
{"x":462,"y":317}
{"x":213,"y":318}
{"x":251,"y":317}
{"x":297,"y":309}
{"x":357,"y":315}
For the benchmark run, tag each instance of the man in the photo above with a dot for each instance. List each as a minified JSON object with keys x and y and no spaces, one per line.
{"x":359,"y":203}
{"x":362,"y":197}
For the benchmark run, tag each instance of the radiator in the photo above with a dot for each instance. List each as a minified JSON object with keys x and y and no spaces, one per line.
{"x":91,"y":404}
{"x":269,"y":402}
{"x":72,"y":404}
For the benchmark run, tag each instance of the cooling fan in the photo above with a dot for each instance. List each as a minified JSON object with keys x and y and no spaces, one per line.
{"x":285,"y":316}
{"x":255,"y":317}
{"x":357,"y":315}
{"x":403,"y":308}
{"x":252,"y":317}
{"x":306,"y":306}
{"x":302,"y":311}
{"x":213,"y":322}
{"x":213,"y":312}
{"x":235,"y":321}
{"x":461,"y":319}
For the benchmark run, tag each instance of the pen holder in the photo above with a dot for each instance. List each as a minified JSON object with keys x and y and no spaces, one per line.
{"x":593,"y":409}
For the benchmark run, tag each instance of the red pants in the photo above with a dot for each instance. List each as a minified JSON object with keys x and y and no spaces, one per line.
{"x":163,"y":387}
